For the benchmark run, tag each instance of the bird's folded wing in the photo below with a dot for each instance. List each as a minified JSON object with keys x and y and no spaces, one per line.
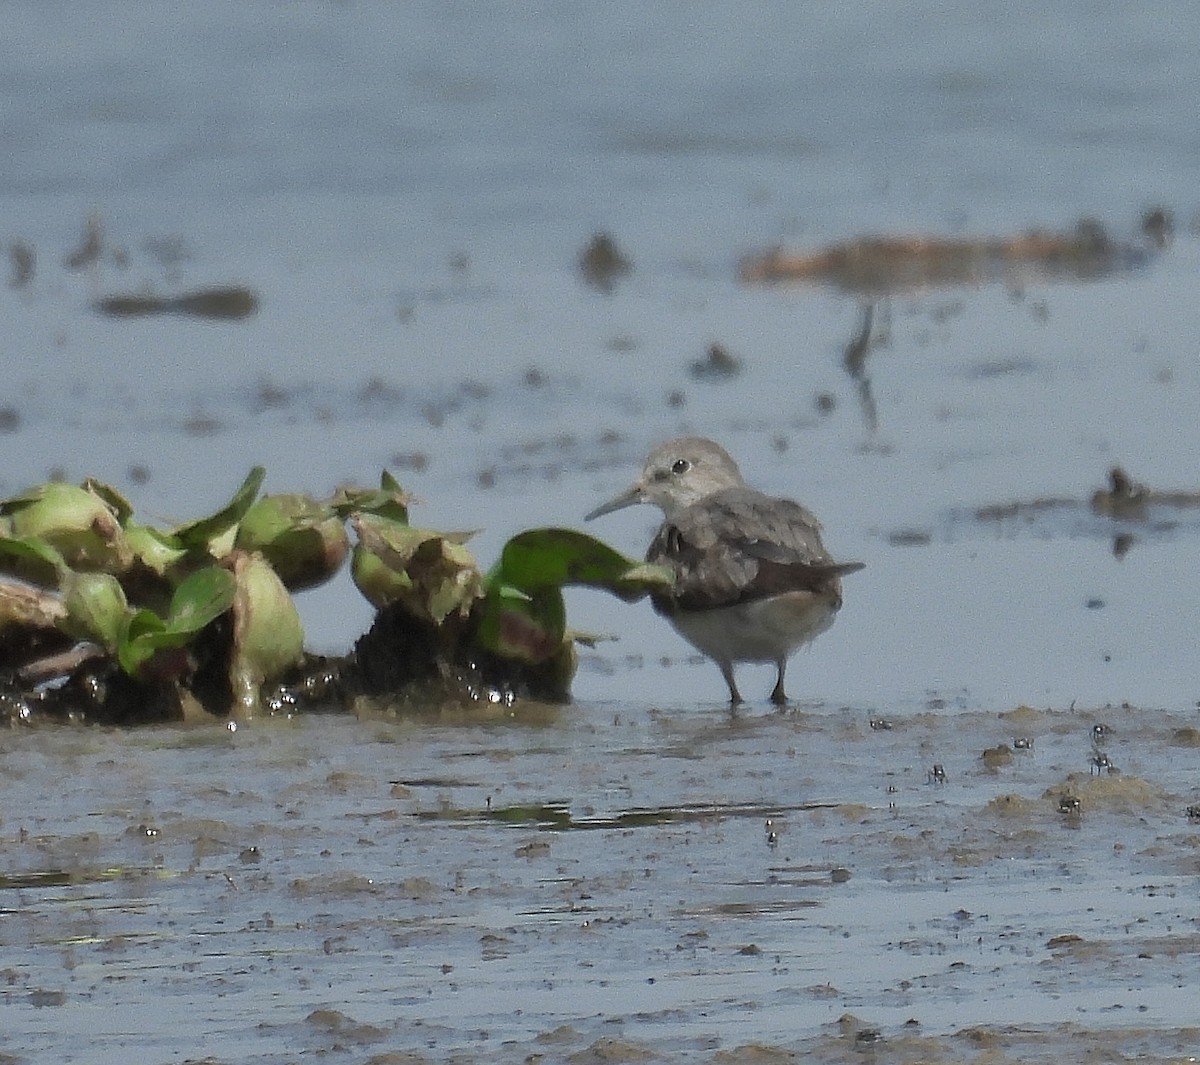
{"x":740,"y":545}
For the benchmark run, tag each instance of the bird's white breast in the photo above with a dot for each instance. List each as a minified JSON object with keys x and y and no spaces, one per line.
{"x":761,"y":630}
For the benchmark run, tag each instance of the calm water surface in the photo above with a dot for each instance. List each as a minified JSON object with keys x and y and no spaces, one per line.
{"x":407,"y":189}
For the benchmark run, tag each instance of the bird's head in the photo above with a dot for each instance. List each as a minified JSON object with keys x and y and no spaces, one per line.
{"x":677,"y":474}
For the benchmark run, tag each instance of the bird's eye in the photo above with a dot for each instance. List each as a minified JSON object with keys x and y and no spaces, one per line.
{"x":681,"y":466}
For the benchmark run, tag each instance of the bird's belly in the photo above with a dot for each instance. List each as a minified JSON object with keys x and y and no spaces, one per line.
{"x":763,"y":630}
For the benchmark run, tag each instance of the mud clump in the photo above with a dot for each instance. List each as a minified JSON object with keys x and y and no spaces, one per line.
{"x":995,"y":758}
{"x":1112,"y":792}
{"x":602,"y":264}
{"x":410,"y":662}
{"x":1011,"y":806}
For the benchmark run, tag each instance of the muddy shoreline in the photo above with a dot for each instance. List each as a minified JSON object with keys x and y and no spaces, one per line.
{"x":637,"y":882}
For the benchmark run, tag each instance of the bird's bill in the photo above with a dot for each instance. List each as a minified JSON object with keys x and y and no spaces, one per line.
{"x":627,"y":498}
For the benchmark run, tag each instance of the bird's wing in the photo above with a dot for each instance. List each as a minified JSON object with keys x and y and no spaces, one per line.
{"x":739,"y":544}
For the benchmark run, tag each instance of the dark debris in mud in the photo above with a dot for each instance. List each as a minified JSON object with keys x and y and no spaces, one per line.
{"x":1123,"y":510}
{"x":602,"y":263}
{"x":411,"y":663}
{"x":400,"y":665}
{"x":96,"y":253}
{"x":230,"y":302}
{"x":718,"y":364}
{"x":23,"y":261}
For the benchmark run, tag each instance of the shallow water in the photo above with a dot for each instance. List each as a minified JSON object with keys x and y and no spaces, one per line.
{"x":406,"y":190}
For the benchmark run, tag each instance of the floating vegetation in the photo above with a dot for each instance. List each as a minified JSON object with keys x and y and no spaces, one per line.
{"x":230,"y":302}
{"x":108,"y":619}
{"x":879,"y":265}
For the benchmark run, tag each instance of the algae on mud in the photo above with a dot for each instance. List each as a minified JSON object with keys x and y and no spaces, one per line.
{"x":231,"y":302}
{"x":883,"y":265}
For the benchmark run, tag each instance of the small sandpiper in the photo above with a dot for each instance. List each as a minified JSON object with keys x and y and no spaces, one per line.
{"x":753,"y":582}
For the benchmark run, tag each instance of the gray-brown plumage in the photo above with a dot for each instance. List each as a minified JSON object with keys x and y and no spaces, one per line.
{"x":753,"y":582}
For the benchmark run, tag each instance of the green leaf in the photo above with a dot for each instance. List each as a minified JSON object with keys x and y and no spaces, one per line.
{"x":552,"y":558}
{"x":143,"y":624}
{"x":200,"y":599}
{"x":527,"y":628}
{"x":96,"y":607}
{"x":143,"y":636}
{"x":75,"y":521}
{"x":268,"y":637}
{"x":158,"y":551}
{"x":120,"y":506}
{"x":200,"y":533}
{"x":33,"y":560}
{"x":524,"y":616}
{"x":389,"y":500}
{"x":430,"y":573}
{"x":304,"y":540}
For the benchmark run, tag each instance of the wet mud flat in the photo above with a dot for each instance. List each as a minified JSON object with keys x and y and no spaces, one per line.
{"x":606,"y":882}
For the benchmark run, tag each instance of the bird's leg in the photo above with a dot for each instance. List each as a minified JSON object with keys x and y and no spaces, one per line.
{"x":779,"y":696}
{"x":735,"y":696}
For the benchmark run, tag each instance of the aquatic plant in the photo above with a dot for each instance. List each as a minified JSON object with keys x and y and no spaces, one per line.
{"x":202,"y":613}
{"x":499,"y":634}
{"x":147,"y":597}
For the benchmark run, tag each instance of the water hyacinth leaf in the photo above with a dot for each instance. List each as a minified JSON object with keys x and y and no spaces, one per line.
{"x":389,"y":500}
{"x":528,"y":628}
{"x":304,"y":540}
{"x":32,"y":560}
{"x":544,"y":558}
{"x":120,"y":506}
{"x":74,"y":521}
{"x":430,"y":573}
{"x":378,"y":582}
{"x":201,"y":533}
{"x":524,"y":616}
{"x":268,"y":638}
{"x":143,"y":623}
{"x":96,"y":608}
{"x":200,"y":599}
{"x":158,"y":551}
{"x":143,"y":636}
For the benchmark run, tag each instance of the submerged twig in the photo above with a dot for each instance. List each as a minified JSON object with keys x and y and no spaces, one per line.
{"x":59,"y":665}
